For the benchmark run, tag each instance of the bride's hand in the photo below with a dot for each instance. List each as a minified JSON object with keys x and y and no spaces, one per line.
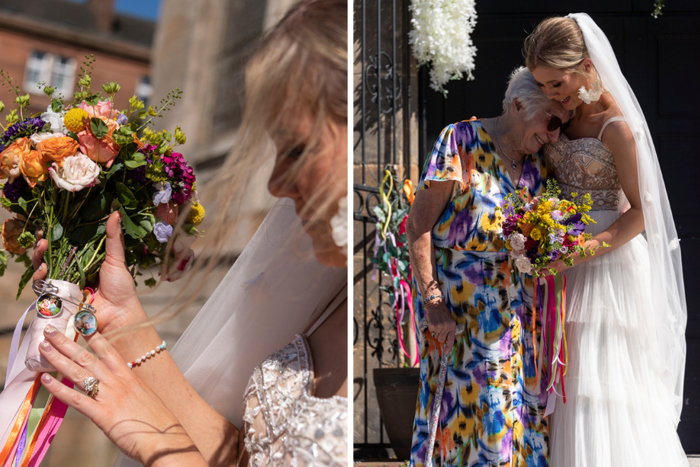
{"x":115,"y":299}
{"x":128,"y":412}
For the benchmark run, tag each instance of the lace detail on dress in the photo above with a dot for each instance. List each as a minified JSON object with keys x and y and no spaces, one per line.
{"x":585,"y":165}
{"x":284,"y":423}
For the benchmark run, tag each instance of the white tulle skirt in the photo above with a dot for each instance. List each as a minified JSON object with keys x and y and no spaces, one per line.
{"x":617,"y":413}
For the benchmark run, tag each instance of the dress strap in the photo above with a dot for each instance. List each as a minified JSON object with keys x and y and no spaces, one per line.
{"x":332,"y":306}
{"x":608,"y":121}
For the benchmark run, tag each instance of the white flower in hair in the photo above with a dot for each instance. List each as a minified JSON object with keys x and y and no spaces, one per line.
{"x":339,"y":224}
{"x":591,"y":95}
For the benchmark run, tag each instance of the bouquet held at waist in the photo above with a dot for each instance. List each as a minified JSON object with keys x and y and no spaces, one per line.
{"x":539,"y":231}
{"x":64,"y":172}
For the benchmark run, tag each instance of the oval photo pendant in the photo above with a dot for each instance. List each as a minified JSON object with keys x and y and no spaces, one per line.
{"x":49,"y":306}
{"x":85,"y":323}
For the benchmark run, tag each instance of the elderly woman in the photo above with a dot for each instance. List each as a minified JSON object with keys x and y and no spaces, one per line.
{"x":491,"y":413}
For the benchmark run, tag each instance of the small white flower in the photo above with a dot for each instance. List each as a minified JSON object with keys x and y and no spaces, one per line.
{"x":523,"y":264}
{"x":564,"y":250}
{"x":39,"y":137}
{"x":78,"y":172}
{"x":517,"y":240}
{"x":339,"y":224}
{"x":55,"y":119}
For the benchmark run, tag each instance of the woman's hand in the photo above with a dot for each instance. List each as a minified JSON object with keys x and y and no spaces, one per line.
{"x":128,"y":412}
{"x":115,"y":300}
{"x":440,"y":323}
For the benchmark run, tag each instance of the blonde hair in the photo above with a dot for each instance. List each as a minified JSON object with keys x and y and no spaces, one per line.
{"x":556,"y":43}
{"x":300,"y":69}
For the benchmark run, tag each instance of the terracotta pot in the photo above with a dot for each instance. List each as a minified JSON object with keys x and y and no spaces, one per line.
{"x":397,"y":393}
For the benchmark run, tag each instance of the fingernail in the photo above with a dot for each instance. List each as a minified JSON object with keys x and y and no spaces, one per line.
{"x":46,"y":346}
{"x":46,"y":378}
{"x":49,"y":330}
{"x":43,"y":265}
{"x":119,"y":217}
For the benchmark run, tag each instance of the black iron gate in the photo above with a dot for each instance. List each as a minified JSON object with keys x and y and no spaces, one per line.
{"x":383,"y":137}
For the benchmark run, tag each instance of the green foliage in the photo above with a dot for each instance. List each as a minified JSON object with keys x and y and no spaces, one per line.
{"x":99,"y":128}
{"x":26,"y":239}
{"x":3,"y":262}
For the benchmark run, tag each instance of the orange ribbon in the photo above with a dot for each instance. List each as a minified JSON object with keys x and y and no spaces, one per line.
{"x":21,"y":419}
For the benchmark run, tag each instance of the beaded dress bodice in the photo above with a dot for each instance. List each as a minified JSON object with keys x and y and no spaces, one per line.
{"x":585,"y":165}
{"x":284,"y":423}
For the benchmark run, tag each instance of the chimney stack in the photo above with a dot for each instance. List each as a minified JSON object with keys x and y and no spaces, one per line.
{"x":102,"y":14}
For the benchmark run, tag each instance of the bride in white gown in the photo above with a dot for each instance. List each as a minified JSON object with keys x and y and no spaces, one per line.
{"x":217,"y":400}
{"x":626,"y":311}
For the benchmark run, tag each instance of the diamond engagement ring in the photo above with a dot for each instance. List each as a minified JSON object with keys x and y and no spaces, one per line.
{"x":91,"y":385}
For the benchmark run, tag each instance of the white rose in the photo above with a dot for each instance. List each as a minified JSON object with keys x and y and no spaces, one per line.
{"x":339,"y":224}
{"x":523,"y":264}
{"x":39,"y":137}
{"x":517,"y":240}
{"x":54,"y":118}
{"x":78,"y":172}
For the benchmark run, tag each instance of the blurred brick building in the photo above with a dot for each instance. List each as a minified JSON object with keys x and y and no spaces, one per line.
{"x":47,"y":40}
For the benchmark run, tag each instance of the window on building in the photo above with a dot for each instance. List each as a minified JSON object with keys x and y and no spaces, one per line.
{"x":144,"y":89}
{"x":55,"y":70}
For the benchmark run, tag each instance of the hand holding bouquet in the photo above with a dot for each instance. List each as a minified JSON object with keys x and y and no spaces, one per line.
{"x":66,"y":171}
{"x":545,"y":229}
{"x":539,"y":231}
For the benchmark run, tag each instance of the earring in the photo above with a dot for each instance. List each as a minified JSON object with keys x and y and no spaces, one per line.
{"x":591,"y":95}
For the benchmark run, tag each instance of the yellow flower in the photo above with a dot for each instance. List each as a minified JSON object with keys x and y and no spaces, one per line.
{"x":536,"y":234}
{"x":74,"y":120}
{"x":196,"y":215}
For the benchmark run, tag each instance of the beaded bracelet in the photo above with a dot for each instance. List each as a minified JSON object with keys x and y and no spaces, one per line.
{"x":148,"y":355}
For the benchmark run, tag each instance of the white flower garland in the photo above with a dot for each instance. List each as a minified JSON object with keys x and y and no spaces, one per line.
{"x":441,"y":34}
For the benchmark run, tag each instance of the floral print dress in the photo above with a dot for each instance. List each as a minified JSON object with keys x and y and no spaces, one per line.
{"x":491,"y":413}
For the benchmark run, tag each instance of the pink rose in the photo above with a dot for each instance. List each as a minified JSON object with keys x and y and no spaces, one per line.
{"x":167,"y":213}
{"x":102,"y":109}
{"x":99,"y":150}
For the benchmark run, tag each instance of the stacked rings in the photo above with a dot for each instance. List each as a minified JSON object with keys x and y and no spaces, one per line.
{"x":91,"y":385}
{"x":148,"y":355}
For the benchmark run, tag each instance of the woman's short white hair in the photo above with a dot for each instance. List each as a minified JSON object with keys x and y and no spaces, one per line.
{"x":523,"y":86}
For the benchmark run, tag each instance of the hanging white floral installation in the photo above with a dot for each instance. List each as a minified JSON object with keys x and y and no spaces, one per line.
{"x":441,"y":35}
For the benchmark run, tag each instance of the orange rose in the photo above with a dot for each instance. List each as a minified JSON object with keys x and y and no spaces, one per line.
{"x":58,"y":148}
{"x":11,"y":230}
{"x":99,"y":150}
{"x":31,"y":163}
{"x":9,"y":162}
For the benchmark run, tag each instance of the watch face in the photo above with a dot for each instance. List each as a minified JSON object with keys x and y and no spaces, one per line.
{"x":85,"y":323}
{"x":49,"y":306}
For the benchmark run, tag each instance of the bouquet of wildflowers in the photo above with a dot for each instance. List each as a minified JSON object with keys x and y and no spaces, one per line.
{"x":539,"y":231}
{"x":65,"y":171}
{"x":544,"y":229}
{"x":69,"y":168}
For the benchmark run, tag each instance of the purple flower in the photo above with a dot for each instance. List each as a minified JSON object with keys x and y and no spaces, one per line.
{"x":554,"y":254}
{"x":576,"y":228}
{"x":24,"y":128}
{"x":163,"y":193}
{"x":122,"y":119}
{"x":162,"y":231}
{"x":13,"y":190}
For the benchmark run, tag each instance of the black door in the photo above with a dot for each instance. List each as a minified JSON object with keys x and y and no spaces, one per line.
{"x":660,"y":58}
